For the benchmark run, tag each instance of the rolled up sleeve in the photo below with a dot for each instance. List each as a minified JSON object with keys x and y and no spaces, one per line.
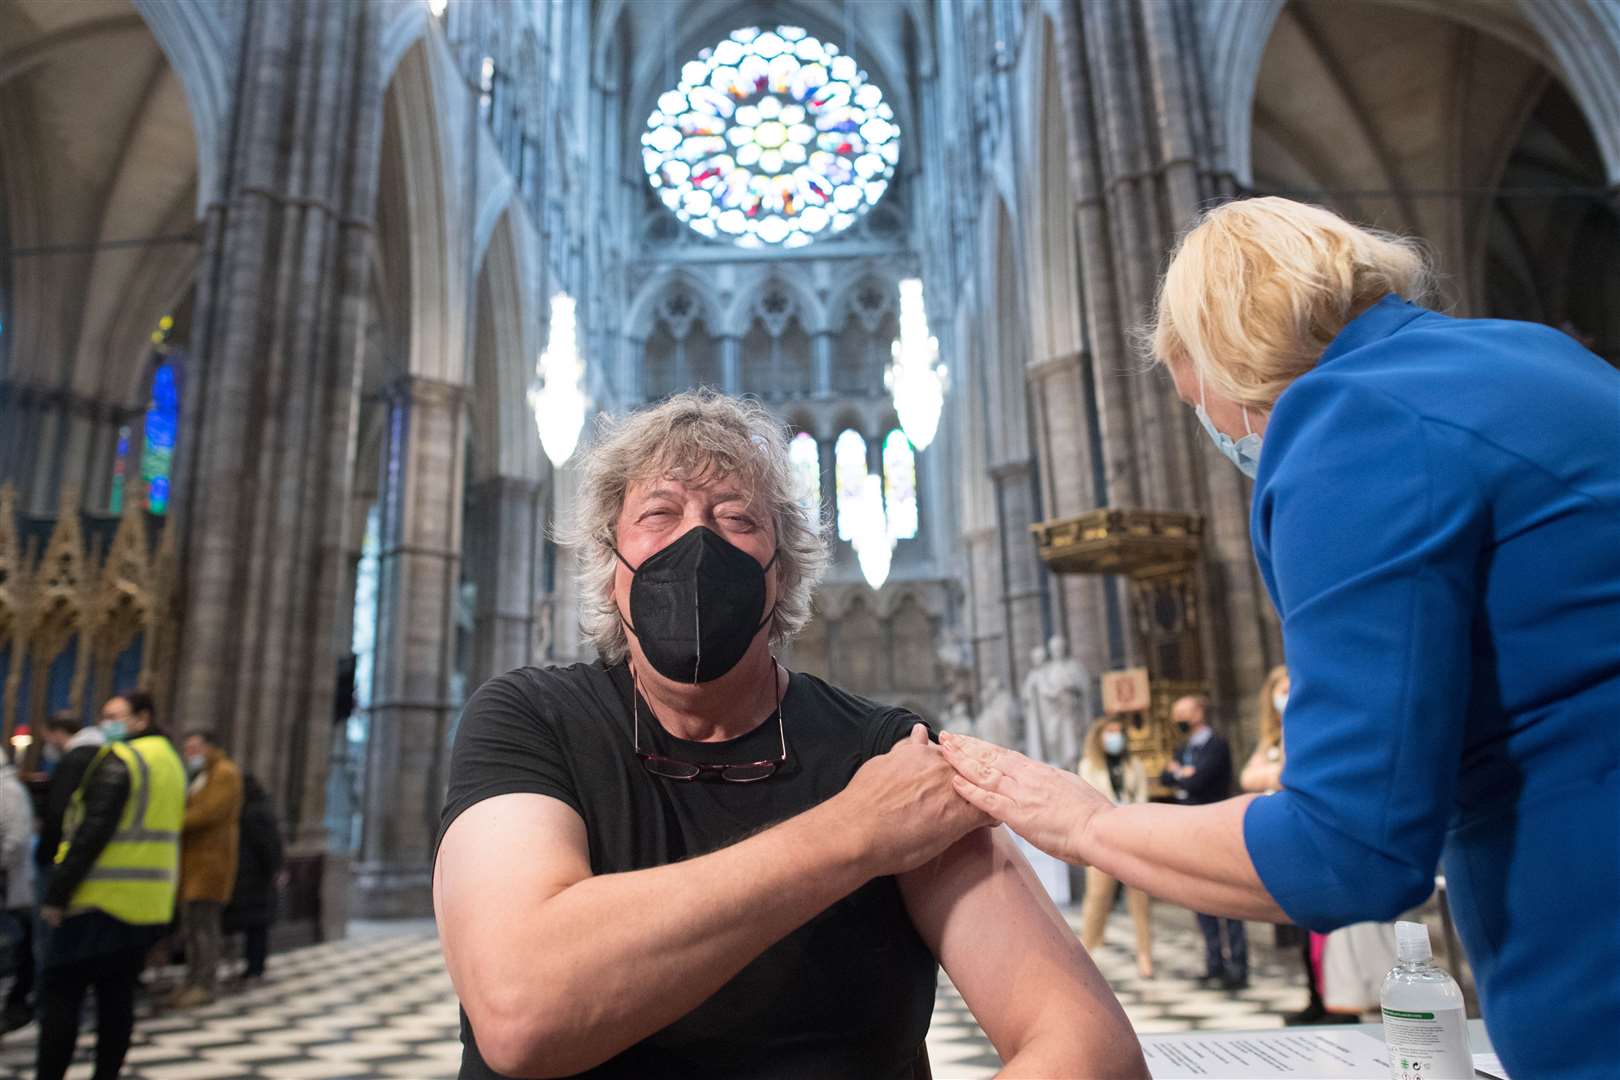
{"x":1371,"y":534}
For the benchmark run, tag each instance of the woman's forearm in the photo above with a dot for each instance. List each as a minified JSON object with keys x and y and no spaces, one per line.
{"x":1189,"y":855}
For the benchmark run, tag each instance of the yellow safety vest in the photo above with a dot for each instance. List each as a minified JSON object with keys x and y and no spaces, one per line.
{"x":137,"y":874}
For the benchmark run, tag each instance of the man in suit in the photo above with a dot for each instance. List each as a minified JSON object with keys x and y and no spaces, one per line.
{"x":1202,"y":773}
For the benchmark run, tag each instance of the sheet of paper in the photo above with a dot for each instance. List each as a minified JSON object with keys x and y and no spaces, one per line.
{"x":1322,"y":1053}
{"x":1490,"y":1065}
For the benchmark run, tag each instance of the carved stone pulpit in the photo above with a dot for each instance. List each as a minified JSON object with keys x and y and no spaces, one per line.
{"x":1158,"y":551}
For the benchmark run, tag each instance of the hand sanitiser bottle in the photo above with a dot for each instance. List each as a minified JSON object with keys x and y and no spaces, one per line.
{"x":1424,"y":1025}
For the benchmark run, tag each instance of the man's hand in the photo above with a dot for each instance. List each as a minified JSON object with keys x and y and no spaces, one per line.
{"x":52,"y":916}
{"x":905,"y":807}
{"x":1051,"y":808}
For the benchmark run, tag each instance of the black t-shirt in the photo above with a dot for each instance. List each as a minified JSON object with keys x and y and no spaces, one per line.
{"x":848,"y":994}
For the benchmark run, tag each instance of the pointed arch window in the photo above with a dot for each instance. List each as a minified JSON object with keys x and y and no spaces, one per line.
{"x":157,"y":453}
{"x":162,"y":420}
{"x":805,"y":457}
{"x":849,"y":470}
{"x":900,"y":485}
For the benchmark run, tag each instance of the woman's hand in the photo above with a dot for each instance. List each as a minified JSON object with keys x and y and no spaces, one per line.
{"x":1049,"y":807}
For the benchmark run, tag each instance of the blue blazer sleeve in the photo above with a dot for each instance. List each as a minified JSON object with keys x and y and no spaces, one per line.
{"x":1370,"y":531}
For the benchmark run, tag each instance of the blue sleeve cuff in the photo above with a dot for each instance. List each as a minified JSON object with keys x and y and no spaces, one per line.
{"x":1285,"y":860}
{"x":1320,"y":878}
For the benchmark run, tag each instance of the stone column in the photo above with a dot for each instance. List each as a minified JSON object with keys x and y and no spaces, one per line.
{"x":411,"y":710}
{"x":821,"y":353}
{"x":1141,"y":162}
{"x":1068,"y":465}
{"x":1021,"y":568}
{"x":987,"y":615}
{"x":267,"y":436}
{"x":504,"y":561}
{"x":731,"y":363}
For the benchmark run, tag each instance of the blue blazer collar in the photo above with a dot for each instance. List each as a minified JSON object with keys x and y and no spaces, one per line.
{"x":1373,"y":325}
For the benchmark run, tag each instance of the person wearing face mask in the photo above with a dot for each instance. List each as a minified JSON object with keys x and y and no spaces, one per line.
{"x":685,"y":860}
{"x":1199,"y":774}
{"x":1263,"y":771}
{"x":111,"y":891}
{"x":1435,"y":514}
{"x":210,"y":846}
{"x":76,"y":744}
{"x":1107,"y":764}
{"x":1263,"y":774}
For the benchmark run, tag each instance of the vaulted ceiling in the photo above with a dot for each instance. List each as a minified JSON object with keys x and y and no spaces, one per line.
{"x":96,"y":147}
{"x":1442,"y":121}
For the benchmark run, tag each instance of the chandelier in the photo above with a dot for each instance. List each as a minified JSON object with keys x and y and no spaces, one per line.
{"x":915,"y":377}
{"x":555,"y":395}
{"x":871,"y":537}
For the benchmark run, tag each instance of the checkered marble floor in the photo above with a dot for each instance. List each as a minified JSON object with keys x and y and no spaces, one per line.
{"x":379,"y":1004}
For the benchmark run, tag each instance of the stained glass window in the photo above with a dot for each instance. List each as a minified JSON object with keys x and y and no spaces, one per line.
{"x":120,"y":465}
{"x":849,"y":469}
{"x":771,"y":137}
{"x":900,"y":485}
{"x":162,"y":418}
{"x":805,"y":457}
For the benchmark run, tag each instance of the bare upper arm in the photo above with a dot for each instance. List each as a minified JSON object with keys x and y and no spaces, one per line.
{"x":1010,"y":953}
{"x":496,"y":858}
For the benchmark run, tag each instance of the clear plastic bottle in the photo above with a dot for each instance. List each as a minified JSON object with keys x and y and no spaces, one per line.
{"x":1425,"y":1027}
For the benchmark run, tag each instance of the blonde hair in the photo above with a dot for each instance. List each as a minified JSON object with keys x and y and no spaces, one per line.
{"x":1094,"y":749}
{"x":1257,"y":288}
{"x":1270,"y":718}
{"x":695,"y":437}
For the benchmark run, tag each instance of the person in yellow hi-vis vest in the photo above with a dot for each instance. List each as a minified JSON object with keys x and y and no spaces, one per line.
{"x":111,"y":892}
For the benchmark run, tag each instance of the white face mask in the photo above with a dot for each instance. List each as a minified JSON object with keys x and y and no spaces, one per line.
{"x":1244,"y":452}
{"x":1113,"y":743}
{"x":1279,"y":701}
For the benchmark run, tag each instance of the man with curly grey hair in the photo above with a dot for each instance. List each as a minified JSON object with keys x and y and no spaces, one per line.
{"x":686,"y":861}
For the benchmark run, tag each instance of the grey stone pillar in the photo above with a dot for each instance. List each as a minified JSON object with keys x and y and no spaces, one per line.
{"x":267,"y":438}
{"x":501,"y":535}
{"x":731,"y":363}
{"x":411,"y":709}
{"x":1062,"y":430}
{"x":821,"y":352}
{"x":1021,"y":568}
{"x":1141,"y":162}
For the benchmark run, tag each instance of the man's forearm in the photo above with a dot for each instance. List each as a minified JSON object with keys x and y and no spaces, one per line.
{"x":614,"y":958}
{"x":1189,"y":855}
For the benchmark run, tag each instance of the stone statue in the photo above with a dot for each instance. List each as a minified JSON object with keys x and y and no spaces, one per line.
{"x":1029,"y":696}
{"x":1057,"y":704}
{"x":956,"y":673}
{"x":998,"y":721}
{"x":959,"y":718}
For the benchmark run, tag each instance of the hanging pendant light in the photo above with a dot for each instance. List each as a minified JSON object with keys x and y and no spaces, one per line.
{"x":873,"y":542}
{"x":556,"y":395}
{"x":915,"y":377}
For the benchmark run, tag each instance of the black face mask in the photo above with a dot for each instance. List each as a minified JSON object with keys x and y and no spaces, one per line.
{"x":695,"y":605}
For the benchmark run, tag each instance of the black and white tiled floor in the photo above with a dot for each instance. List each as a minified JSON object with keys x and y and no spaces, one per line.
{"x":379,"y":1005}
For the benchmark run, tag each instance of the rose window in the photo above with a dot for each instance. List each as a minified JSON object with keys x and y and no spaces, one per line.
{"x":771,"y":138}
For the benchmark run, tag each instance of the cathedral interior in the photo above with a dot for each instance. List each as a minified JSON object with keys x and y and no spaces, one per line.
{"x":306,"y":307}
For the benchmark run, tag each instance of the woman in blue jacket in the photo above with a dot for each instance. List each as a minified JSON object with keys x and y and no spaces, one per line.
{"x":1437,"y":517}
